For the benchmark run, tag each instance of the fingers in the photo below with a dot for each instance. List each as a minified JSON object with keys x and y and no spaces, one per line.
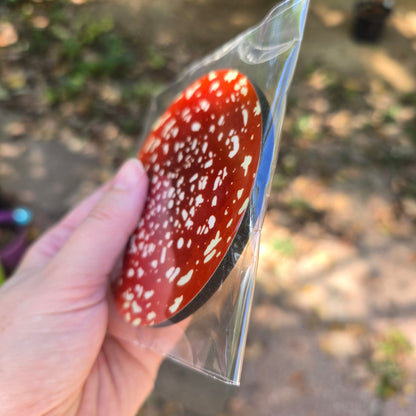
{"x":53,"y":240}
{"x":89,"y":254}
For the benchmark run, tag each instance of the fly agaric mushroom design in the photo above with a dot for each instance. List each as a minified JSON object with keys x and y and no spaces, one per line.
{"x":201,"y":157}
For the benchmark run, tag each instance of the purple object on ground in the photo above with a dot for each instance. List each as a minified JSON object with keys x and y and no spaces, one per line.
{"x":18,"y":219}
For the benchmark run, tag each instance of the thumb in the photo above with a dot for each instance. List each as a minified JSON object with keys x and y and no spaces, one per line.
{"x":89,"y":255}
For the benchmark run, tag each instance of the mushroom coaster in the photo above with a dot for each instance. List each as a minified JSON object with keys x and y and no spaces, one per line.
{"x":202,"y":157}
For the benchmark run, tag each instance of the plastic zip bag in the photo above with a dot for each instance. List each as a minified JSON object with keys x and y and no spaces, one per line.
{"x":210,"y":337}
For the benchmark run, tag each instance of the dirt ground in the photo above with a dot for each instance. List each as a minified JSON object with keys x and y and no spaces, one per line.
{"x":333,"y":326}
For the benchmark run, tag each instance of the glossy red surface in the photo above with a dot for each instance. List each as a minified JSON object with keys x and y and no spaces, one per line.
{"x":201,"y":157}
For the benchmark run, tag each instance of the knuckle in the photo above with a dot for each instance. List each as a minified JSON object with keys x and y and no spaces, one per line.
{"x":103,"y":214}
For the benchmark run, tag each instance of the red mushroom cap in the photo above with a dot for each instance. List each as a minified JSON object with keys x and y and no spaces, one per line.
{"x":201,"y":157}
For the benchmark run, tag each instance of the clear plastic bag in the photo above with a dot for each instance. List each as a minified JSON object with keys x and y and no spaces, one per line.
{"x":212,"y":339}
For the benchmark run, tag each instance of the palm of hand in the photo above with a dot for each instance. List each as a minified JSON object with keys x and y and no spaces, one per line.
{"x":59,"y":352}
{"x":78,"y":369}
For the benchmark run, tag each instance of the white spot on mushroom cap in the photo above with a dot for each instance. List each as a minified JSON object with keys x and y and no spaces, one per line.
{"x":204,"y":104}
{"x":210,"y":256}
{"x":163,"y":255}
{"x":167,"y":128}
{"x":139,"y":290}
{"x":151,"y":315}
{"x":190,"y":91}
{"x":135,"y":307}
{"x":236,"y":145}
{"x":246,"y":163}
{"x":199,"y":200}
{"x":243,"y":207}
{"x":211,"y":221}
{"x":174,"y":307}
{"x":174,"y":132}
{"x":213,"y":243}
{"x":245,"y":116}
{"x":212,"y":75}
{"x":172,"y":273}
{"x":128,"y":295}
{"x":148,"y":294}
{"x":196,"y":126}
{"x":257,"y":109}
{"x":202,"y":183}
{"x":231,"y":76}
{"x":208,"y":164}
{"x":217,"y":183}
{"x":186,"y":278}
{"x":189,"y":223}
{"x":214,"y":86}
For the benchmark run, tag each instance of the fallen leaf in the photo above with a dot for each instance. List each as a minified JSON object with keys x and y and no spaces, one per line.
{"x":40,"y":22}
{"x":8,"y":34}
{"x":15,"y":79}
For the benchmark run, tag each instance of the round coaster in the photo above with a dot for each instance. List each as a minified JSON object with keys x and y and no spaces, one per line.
{"x":202,"y":157}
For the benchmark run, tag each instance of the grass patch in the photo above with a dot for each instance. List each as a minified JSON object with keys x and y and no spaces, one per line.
{"x":284,"y":246}
{"x":388,"y":364}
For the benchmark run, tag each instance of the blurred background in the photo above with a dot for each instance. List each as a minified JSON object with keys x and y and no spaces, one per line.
{"x":333,"y":326}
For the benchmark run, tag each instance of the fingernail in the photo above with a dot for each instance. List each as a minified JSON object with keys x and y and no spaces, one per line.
{"x":129,"y":175}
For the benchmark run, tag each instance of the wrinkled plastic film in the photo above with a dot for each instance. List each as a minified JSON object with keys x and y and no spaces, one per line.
{"x":212,"y":340}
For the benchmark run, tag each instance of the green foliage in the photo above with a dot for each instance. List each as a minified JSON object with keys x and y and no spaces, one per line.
{"x":284,"y":246}
{"x":300,"y":205}
{"x":290,"y":164}
{"x":388,"y":365}
{"x":394,"y":345}
{"x":74,"y":47}
{"x":130,"y":125}
{"x":156,"y":59}
{"x":302,"y":124}
{"x":279,"y":182}
{"x":391,"y":114}
{"x":2,"y":275}
{"x":142,"y":90}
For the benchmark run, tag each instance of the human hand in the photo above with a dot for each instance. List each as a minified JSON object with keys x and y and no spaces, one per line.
{"x":58,"y":354}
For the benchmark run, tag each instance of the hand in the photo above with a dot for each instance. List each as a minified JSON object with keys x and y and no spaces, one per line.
{"x":58,"y":355}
